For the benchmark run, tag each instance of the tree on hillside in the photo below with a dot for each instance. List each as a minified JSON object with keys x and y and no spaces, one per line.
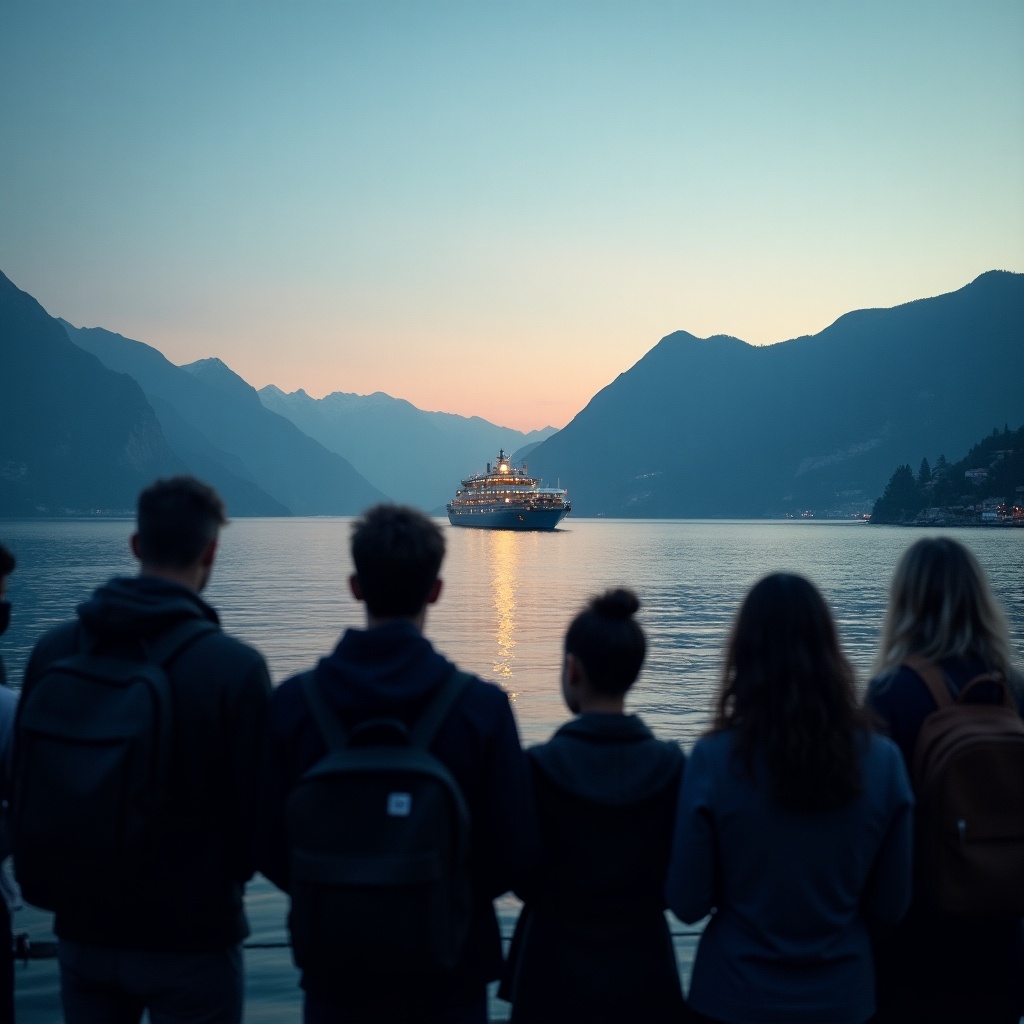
{"x":901,"y":501}
{"x":1001,"y":454}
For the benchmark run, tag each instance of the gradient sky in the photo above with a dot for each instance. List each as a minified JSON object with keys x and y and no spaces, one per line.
{"x":495,"y":208}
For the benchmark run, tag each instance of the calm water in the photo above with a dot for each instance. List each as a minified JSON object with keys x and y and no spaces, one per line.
{"x":281,"y":584}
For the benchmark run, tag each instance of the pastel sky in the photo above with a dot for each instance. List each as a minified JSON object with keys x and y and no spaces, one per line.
{"x":494,"y":208}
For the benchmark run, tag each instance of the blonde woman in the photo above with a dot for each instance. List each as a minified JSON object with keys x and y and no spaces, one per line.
{"x":941,"y":611}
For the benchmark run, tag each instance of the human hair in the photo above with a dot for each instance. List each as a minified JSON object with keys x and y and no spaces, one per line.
{"x":941,"y":606}
{"x":608,"y":641}
{"x":397,"y":553}
{"x":177,"y":518}
{"x":7,"y":561}
{"x":787,"y":693}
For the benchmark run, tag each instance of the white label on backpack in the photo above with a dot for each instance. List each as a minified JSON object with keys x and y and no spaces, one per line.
{"x":399,"y":805}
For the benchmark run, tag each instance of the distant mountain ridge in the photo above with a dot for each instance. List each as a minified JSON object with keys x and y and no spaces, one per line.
{"x":417,"y":457}
{"x":716,"y":427}
{"x":74,"y":437}
{"x":697,"y":427}
{"x":215,"y":422}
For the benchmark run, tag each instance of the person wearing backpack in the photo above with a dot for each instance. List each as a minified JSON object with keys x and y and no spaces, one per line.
{"x":8,"y":892}
{"x":137,"y":752}
{"x":592,"y":942}
{"x":950,"y":698}
{"x":397,"y":802}
{"x":793,"y":827}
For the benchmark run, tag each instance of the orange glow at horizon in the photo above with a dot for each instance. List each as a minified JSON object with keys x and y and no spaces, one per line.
{"x":524,"y":375}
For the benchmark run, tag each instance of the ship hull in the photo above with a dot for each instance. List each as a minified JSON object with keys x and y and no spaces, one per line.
{"x":508,"y":519}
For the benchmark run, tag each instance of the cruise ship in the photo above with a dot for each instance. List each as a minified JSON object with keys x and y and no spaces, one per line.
{"x":506,"y":498}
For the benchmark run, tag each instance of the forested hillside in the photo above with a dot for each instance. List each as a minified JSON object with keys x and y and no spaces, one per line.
{"x":985,"y":486}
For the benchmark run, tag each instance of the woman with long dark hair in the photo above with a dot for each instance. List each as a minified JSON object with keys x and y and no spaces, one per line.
{"x":794,"y":824}
{"x":592,"y":943}
{"x":942,"y":620}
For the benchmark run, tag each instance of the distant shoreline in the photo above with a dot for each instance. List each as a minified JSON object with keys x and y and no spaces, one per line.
{"x":129,"y":516}
{"x":1005,"y":525}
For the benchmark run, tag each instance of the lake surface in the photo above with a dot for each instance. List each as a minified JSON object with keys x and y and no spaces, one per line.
{"x":281,"y":585}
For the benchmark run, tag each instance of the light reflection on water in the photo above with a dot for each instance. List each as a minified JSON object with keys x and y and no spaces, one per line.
{"x":503,"y":557}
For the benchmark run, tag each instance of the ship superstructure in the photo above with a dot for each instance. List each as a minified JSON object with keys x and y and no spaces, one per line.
{"x":506,"y":497}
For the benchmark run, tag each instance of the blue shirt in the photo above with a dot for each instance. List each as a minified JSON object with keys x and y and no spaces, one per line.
{"x":787,"y":940}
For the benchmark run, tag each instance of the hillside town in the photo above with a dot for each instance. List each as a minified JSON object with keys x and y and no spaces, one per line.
{"x":984,"y":489}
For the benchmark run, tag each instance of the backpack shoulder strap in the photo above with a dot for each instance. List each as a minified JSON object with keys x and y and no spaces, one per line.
{"x":176,"y":639}
{"x":438,"y":708}
{"x":990,"y":679}
{"x":327,"y":722}
{"x":933,"y":677}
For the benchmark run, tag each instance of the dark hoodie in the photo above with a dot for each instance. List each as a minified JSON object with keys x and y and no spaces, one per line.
{"x":193,"y":898}
{"x":592,"y":942}
{"x":392,"y":671}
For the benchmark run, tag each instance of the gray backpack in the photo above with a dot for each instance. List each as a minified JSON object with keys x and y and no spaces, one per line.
{"x":378,"y":843}
{"x":92,"y":758}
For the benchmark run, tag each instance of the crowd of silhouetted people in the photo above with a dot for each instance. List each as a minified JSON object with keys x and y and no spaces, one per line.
{"x":853,"y":860}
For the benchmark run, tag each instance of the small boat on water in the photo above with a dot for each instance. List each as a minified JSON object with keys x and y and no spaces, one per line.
{"x":506,"y":498}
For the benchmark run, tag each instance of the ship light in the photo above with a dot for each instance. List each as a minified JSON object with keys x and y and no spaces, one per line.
{"x":503,"y":467}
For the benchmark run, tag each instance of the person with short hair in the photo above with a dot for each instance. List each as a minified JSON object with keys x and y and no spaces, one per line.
{"x":172,"y":944}
{"x":7,"y":566}
{"x":933,"y":967}
{"x":592,"y":942}
{"x":390,"y":670}
{"x":8,"y":893}
{"x":794,"y":824}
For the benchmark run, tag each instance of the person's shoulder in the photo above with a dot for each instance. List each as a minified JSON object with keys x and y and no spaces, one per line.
{"x":8,"y":707}
{"x":288,"y":694}
{"x":879,"y":749}
{"x":483,"y":693}
{"x":890,"y":681}
{"x":716,"y":743}
{"x":669,"y":748}
{"x":242,"y":658}
{"x":484,"y":708}
{"x":896,"y":689}
{"x":58,"y":642}
{"x":668,"y":752}
{"x":883,"y":770}
{"x":671,"y":752}
{"x":711,"y":752}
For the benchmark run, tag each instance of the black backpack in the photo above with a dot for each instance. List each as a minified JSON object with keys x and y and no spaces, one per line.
{"x":378,"y":844}
{"x":92,"y":756}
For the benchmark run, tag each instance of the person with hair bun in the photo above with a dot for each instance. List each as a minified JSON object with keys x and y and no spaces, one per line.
{"x":794,"y":824}
{"x":592,"y":943}
{"x":942,"y":613}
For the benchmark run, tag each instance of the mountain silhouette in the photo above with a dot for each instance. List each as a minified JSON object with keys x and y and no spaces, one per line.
{"x":415,"y":456}
{"x":74,"y":436}
{"x":215,"y":420}
{"x":716,"y":427}
{"x":698,"y":427}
